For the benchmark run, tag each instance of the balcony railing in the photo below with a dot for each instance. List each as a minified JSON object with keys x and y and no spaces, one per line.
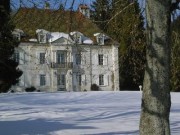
{"x":62,"y":65}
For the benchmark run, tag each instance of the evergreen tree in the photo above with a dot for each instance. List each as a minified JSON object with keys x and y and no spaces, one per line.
{"x":9,"y":73}
{"x":175,"y":56}
{"x":101,"y":10}
{"x":127,"y":27}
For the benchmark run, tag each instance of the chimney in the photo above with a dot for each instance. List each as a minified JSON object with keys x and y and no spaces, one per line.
{"x":84,"y":9}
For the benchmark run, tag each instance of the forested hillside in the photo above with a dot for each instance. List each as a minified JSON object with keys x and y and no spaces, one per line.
{"x":124,"y":22}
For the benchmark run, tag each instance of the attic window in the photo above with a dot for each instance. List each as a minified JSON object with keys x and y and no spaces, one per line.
{"x":17,"y":36}
{"x":78,"y":39}
{"x":77,"y":36}
{"x":100,"y":40}
{"x":42,"y":38}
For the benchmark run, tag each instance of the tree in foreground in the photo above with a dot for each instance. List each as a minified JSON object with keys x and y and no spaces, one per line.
{"x":156,"y":101}
{"x":9,"y":73}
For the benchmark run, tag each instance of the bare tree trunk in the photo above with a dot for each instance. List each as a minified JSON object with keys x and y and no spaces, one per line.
{"x":156,"y":101}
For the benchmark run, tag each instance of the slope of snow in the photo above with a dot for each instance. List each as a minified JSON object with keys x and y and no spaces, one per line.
{"x":76,"y":113}
{"x":53,"y":36}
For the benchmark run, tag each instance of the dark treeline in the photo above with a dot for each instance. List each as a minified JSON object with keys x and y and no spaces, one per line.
{"x":124,"y":22}
{"x":9,"y":73}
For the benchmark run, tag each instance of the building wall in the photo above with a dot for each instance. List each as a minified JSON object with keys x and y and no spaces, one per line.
{"x":89,"y":69}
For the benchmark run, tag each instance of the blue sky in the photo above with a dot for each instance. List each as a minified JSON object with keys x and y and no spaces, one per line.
{"x":54,"y":3}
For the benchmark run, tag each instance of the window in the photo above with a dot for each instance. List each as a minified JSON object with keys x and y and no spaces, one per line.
{"x":78,"y":59}
{"x":100,"y":59}
{"x":17,"y":36}
{"x":42,"y":38}
{"x":42,"y":58}
{"x":101,"y":79}
{"x":61,"y":79}
{"x":78,"y":39}
{"x":100,"y":40}
{"x":60,"y":57}
{"x":77,"y":36}
{"x":79,"y":79}
{"x":42,"y":80}
{"x":16,"y":57}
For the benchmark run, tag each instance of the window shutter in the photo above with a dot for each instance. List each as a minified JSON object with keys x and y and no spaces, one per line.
{"x":46,"y":58}
{"x":21,"y":58}
{"x":21,"y":81}
{"x":53,"y":59}
{"x":47,"y":80}
{"x":96,"y":60}
{"x":105,"y":59}
{"x":83,"y":59}
{"x":40,"y":80}
{"x":106,"y":80}
{"x":83,"y":80}
{"x":37,"y":58}
{"x":97,"y":80}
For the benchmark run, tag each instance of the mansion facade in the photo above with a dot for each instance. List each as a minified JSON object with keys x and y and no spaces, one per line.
{"x":57,"y":61}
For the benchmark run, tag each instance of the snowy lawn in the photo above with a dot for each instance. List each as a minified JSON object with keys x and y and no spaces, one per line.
{"x":76,"y":113}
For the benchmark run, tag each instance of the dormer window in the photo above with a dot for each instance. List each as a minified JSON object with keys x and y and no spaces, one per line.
{"x":77,"y":36}
{"x":42,"y":35}
{"x":17,"y":36}
{"x":100,"y":40}
{"x":78,"y":39}
{"x":17,"y":33}
{"x":42,"y":38}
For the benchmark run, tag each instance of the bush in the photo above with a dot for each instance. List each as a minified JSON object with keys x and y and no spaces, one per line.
{"x":30,"y":89}
{"x":94,"y":87}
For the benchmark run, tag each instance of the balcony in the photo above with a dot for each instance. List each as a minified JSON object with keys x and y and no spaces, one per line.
{"x":62,"y":65}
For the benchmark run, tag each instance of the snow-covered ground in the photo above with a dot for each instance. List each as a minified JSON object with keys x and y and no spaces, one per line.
{"x":76,"y":113}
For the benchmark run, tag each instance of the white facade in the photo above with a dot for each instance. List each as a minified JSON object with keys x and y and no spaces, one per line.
{"x":60,"y":62}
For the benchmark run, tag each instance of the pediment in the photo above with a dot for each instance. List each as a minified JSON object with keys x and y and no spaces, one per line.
{"x":63,"y":40}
